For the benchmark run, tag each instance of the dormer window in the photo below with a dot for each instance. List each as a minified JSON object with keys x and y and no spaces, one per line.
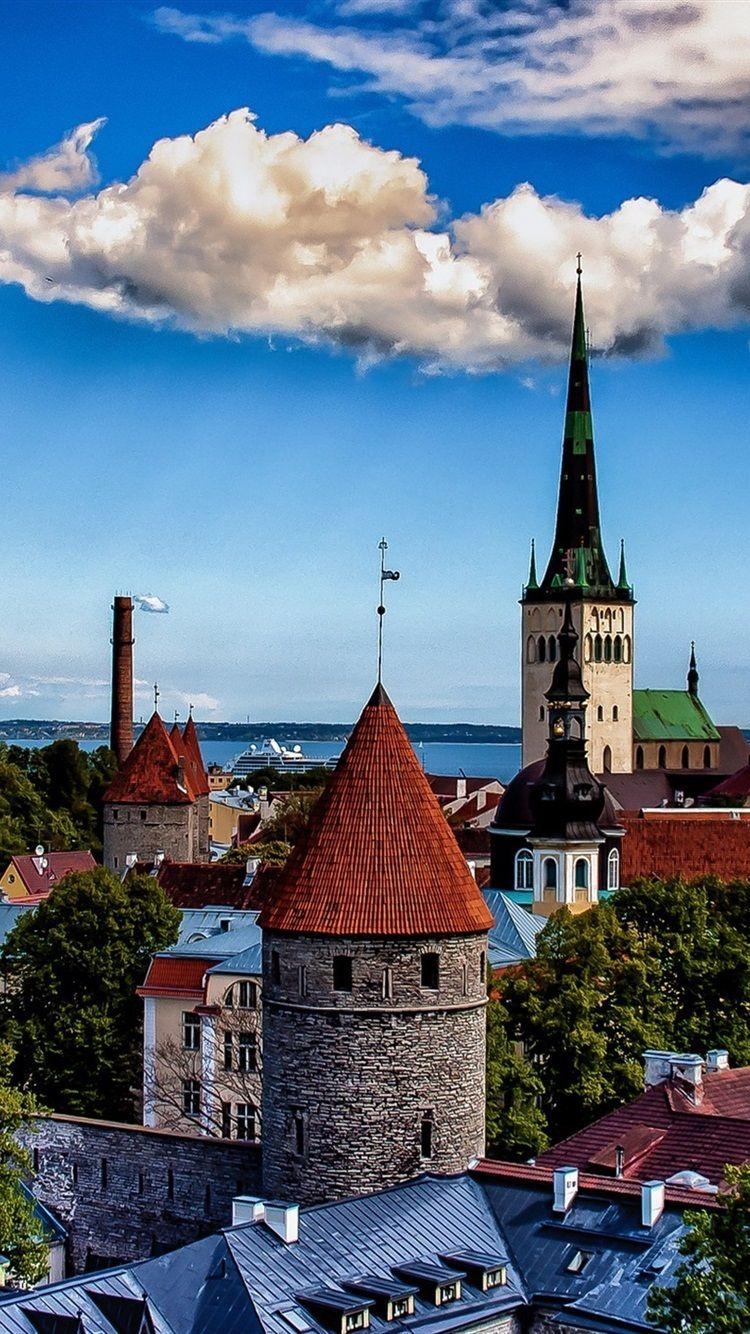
{"x":495,"y":1278}
{"x":338,"y":1311}
{"x":483,"y":1270}
{"x":578,"y":1262}
{"x":448,"y":1292}
{"x":437,"y":1283}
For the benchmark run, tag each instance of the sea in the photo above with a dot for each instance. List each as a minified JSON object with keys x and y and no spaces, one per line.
{"x":474,"y":760}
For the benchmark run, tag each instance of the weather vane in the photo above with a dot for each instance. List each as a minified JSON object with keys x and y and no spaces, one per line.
{"x":384,"y":574}
{"x":156,"y":697}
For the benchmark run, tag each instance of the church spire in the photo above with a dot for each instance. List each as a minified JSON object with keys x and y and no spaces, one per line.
{"x":577,"y":528}
{"x":692,"y":676}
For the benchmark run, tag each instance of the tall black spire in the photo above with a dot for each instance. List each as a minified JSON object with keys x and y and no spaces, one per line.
{"x":692,"y":676}
{"x":577,"y":552}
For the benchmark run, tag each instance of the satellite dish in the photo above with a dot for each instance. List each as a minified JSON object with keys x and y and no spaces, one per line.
{"x":298,"y":750}
{"x":39,"y":850}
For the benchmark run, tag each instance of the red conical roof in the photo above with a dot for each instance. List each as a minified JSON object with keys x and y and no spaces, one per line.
{"x":378,"y":857}
{"x":151,"y":771}
{"x":196,"y":767}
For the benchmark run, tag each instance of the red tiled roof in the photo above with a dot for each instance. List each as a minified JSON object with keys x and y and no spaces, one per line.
{"x":38,"y":879}
{"x":378,"y":857}
{"x":661,"y":844}
{"x":737,"y":785}
{"x":196,"y":768}
{"x":200,"y":884}
{"x":151,"y":771}
{"x":663,"y":1132}
{"x":174,"y":976}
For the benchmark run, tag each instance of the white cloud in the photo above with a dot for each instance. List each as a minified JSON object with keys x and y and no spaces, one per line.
{"x":675,"y":69}
{"x":334,"y":240}
{"x":150,"y":602}
{"x":199,"y":700}
{"x":67,"y":167}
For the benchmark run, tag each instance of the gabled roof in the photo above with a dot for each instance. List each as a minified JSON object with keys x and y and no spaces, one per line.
{"x":151,"y":772}
{"x":200,"y":884}
{"x":173,"y":975}
{"x":36,"y":876}
{"x":670,"y":715}
{"x":663,"y":1132}
{"x":690,"y":843}
{"x":196,"y":767}
{"x":378,"y":857}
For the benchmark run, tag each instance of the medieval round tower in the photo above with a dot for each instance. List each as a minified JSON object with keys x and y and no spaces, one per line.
{"x":374,"y":984}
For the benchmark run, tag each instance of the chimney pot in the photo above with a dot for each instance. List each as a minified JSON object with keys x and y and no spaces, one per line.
{"x":247,"y":1209}
{"x":565,"y":1182}
{"x":717,"y":1059}
{"x":652,"y":1202}
{"x":619,"y":1160}
{"x":282,"y":1219}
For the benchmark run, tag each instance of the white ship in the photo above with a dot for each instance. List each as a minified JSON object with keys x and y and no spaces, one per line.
{"x":271,"y":755}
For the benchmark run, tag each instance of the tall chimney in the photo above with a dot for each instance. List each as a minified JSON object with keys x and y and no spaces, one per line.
{"x":121,"y":727}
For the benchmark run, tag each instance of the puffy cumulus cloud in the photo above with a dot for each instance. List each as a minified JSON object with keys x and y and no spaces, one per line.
{"x":331,"y":239}
{"x":67,"y":167}
{"x":677,"y":69}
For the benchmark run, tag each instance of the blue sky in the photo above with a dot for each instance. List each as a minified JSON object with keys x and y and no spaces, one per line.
{"x":229,"y":364}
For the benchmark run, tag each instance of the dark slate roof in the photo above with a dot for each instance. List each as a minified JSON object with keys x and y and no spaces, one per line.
{"x":246,"y":1280}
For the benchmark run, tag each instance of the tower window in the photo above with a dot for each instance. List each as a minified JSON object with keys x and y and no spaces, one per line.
{"x":541,"y":713}
{"x":425,"y":1138}
{"x":639,"y":757}
{"x":298,"y":1130}
{"x":542,"y":649}
{"x":524,"y":869}
{"x":582,"y":873}
{"x":483,"y":968}
{"x":626,"y":648}
{"x":615,"y":714}
{"x":707,"y":757}
{"x":552,"y":648}
{"x":685,"y":757}
{"x":613,"y":870}
{"x":588,"y":648}
{"x":430,"y":964}
{"x":302,"y":980}
{"x":342,"y":973}
{"x":608,"y":648}
{"x":550,"y":873}
{"x":531,"y":649}
{"x":617,"y":648}
{"x":607,"y":760}
{"x":600,"y":714}
{"x":662,"y":761}
{"x":387,"y":984}
{"x":597,"y":648}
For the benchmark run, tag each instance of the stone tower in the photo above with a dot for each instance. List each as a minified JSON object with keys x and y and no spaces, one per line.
{"x":555,"y":837}
{"x":578,"y":574}
{"x":157,"y":802}
{"x":374,"y":984}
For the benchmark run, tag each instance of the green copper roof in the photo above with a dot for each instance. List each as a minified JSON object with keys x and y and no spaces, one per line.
{"x":670,"y":715}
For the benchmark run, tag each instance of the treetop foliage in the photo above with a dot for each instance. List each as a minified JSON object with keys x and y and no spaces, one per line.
{"x":21,"y":1239}
{"x":52,"y":796}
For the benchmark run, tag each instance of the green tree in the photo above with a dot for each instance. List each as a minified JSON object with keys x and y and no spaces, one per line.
{"x":21,"y":1240}
{"x":25,"y":819}
{"x":711,"y":1293}
{"x":585,"y":1009}
{"x":292,"y":817}
{"x":275,"y":852}
{"x":703,"y":929}
{"x":515,"y":1122}
{"x":72,"y":968}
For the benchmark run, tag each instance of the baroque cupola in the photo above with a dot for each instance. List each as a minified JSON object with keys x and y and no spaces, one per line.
{"x":374,"y":979}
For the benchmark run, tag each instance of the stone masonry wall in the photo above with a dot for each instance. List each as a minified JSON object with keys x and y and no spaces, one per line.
{"x":356,"y":1073}
{"x":126,"y":1192}
{"x":172,"y":830}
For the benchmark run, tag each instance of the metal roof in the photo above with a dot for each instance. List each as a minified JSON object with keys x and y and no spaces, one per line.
{"x":670,"y":715}
{"x":10,"y":915}
{"x":513,"y":937}
{"x":245,"y":1280}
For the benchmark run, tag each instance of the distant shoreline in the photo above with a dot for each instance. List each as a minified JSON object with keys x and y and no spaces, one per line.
{"x":44,"y":731}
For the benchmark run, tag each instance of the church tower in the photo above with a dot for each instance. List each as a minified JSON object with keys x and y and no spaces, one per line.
{"x":374,"y":984}
{"x":577,"y":573}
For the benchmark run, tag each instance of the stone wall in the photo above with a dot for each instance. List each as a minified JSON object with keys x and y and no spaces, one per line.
{"x":146,"y":830}
{"x":350,"y":1077}
{"x":127,"y":1192}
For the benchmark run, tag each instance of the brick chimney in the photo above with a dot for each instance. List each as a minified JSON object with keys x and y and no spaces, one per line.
{"x":121,"y":727}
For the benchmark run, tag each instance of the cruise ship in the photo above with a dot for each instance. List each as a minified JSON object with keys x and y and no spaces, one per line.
{"x":271,"y":755}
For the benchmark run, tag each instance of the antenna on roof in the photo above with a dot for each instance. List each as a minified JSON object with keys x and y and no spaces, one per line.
{"x":384,"y":574}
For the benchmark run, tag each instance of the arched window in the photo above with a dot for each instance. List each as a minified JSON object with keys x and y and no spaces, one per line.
{"x":662,"y":761}
{"x":685,"y":757}
{"x":588,"y":648}
{"x":550,"y":874}
{"x":541,"y":713}
{"x":626,"y":648}
{"x":639,"y":757}
{"x":615,"y":714}
{"x":600,"y":714}
{"x":607,"y":760}
{"x":608,"y":649}
{"x":617,"y":648}
{"x":552,"y":648}
{"x":613,"y":870}
{"x":531,"y":649}
{"x":597,"y":648}
{"x":706,"y":757}
{"x":524,"y":869}
{"x":581,"y":880}
{"x":541,"y":649}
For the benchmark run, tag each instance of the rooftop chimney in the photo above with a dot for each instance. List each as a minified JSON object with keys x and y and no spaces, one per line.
{"x":565,"y":1180}
{"x":716,"y":1059}
{"x":247,"y":1209}
{"x":652,"y":1202}
{"x":619,"y":1160}
{"x":283,"y":1219}
{"x":661,"y":1065}
{"x":121,"y":727}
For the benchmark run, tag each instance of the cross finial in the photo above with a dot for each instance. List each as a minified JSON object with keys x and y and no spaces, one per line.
{"x":579,"y":270}
{"x":156,"y":697}
{"x":190,"y":711}
{"x":384,"y":574}
{"x":176,"y":716}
